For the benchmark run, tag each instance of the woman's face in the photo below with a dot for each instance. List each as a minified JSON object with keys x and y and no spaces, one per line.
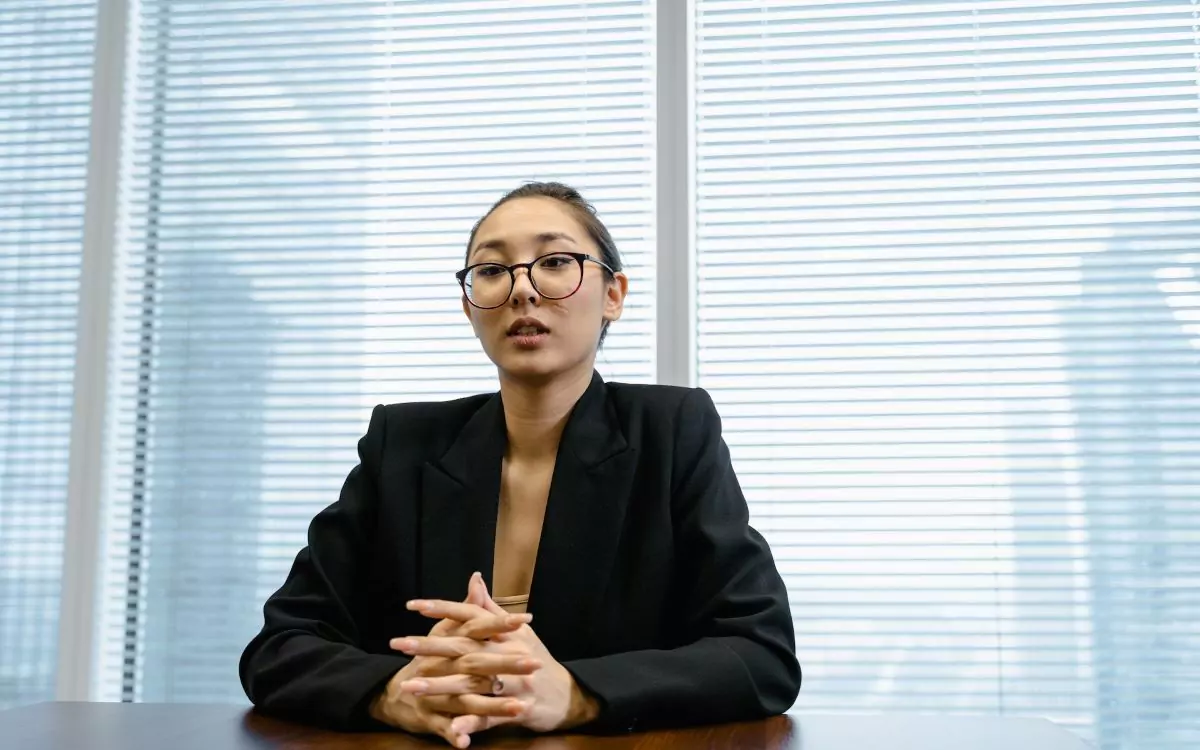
{"x":567,"y":330}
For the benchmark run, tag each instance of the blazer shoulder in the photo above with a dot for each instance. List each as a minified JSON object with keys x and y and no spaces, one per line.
{"x":665,"y":398}
{"x":662,"y":404}
{"x":432,"y":424}
{"x":419,"y":411}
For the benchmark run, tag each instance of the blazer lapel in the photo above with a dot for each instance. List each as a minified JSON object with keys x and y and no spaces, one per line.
{"x":585,"y":513}
{"x":460,"y":497}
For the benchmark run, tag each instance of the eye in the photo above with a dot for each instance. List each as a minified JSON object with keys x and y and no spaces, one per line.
{"x":489,"y":271}
{"x":556,"y":262}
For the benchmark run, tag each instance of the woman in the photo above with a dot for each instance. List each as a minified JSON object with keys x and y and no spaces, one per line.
{"x":609,"y":511}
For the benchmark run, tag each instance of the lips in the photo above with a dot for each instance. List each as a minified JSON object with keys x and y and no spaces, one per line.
{"x":528,"y":334}
{"x":527,"y":327}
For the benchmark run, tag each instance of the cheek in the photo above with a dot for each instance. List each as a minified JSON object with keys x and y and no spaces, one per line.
{"x":485,"y":321}
{"x":586,"y":308}
{"x":584,"y":317}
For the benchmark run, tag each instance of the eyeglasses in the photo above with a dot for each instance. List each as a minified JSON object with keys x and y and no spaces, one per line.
{"x":553,"y":276}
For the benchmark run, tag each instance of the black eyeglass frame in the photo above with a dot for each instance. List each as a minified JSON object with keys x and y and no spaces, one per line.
{"x":580,"y":258}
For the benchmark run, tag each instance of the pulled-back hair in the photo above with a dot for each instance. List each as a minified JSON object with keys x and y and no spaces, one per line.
{"x":584,"y":213}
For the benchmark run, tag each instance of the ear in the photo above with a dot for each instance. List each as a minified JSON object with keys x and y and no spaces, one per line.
{"x":614,"y":296}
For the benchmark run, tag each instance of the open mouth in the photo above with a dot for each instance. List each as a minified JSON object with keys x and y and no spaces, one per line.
{"x":527,"y":327}
{"x":528,"y":333}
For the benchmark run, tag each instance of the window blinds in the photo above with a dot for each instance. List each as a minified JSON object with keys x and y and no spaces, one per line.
{"x":304,"y":176}
{"x":949,"y":308}
{"x":45,"y":94}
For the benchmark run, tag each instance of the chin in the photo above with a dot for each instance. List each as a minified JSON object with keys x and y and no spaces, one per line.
{"x":535,"y":367}
{"x":529,"y":365}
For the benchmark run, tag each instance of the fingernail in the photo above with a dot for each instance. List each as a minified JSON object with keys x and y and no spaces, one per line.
{"x":403,"y":644}
{"x":417,"y":604}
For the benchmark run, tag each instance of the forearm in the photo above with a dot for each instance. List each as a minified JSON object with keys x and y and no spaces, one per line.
{"x":304,"y":676}
{"x":718,"y":679}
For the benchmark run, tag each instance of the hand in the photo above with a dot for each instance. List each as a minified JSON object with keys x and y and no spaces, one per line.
{"x":433,"y":714}
{"x":552,"y":698}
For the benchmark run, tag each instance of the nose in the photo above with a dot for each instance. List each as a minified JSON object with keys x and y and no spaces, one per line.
{"x":523,"y":290}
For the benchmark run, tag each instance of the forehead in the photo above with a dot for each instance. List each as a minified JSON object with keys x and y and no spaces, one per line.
{"x":523,"y":219}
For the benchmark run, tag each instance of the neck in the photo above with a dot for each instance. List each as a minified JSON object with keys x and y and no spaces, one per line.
{"x":536,"y":413}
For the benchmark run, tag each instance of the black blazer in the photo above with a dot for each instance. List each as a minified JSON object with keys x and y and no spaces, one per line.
{"x":650,"y":587}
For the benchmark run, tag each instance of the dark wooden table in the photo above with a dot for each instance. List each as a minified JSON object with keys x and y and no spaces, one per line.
{"x":125,"y":726}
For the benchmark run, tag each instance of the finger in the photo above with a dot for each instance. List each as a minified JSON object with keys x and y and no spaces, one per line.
{"x":444,"y":627}
{"x":488,"y":665}
{"x":510,"y":685}
{"x":477,"y":591}
{"x":449,"y":647}
{"x":472,"y":724}
{"x":482,"y":664}
{"x":447,"y":627}
{"x":490,"y":626}
{"x":443,"y":726}
{"x":483,"y":627}
{"x":440,"y":609}
{"x":455,"y":684}
{"x":476,"y":705}
{"x":483,"y":598}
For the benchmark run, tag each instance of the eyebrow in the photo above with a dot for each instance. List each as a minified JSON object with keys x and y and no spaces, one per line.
{"x":541,"y":239}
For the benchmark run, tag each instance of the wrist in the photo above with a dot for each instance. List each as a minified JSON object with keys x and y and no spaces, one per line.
{"x":583,"y":707}
{"x":377,"y":708}
{"x":386,"y":706}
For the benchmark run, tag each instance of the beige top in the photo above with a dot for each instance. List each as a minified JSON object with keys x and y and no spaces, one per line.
{"x":524,"y":489}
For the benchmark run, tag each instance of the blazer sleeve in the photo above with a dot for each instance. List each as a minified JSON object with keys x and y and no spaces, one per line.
{"x":739,"y":658}
{"x":308,"y":661}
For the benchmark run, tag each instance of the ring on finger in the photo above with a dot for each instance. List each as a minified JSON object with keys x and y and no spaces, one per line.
{"x":497,"y":686}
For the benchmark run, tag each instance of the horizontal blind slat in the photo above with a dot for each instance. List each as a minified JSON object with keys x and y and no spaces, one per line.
{"x":948,"y":307}
{"x":45,"y":80}
{"x":303,"y":177}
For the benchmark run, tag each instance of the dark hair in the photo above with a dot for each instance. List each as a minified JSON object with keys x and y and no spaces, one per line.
{"x":584,"y":212}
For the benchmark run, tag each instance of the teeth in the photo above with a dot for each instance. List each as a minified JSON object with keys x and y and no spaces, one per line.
{"x":527,"y":331}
